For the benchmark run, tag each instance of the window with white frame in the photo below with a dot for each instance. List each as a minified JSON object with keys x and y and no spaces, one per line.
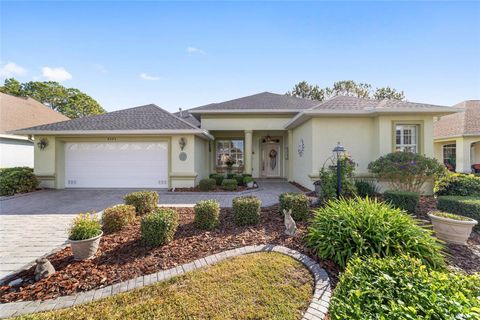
{"x":406,"y":138}
{"x":229,"y":149}
{"x":450,"y":155}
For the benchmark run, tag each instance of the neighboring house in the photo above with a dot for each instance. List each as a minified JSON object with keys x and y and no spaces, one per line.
{"x":268,"y":135}
{"x":16,"y":113}
{"x":457,"y":138}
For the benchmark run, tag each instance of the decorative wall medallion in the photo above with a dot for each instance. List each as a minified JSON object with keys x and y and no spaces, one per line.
{"x":182,"y":156}
{"x":301,"y":148}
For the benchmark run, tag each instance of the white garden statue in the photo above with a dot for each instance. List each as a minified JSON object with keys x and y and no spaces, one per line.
{"x":290,"y":225}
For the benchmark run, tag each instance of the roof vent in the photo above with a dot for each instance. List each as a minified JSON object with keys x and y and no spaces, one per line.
{"x":181,"y":112}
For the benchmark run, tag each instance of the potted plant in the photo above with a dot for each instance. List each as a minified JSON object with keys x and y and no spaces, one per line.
{"x":84,"y":236}
{"x":248,"y":181}
{"x":451,"y":227}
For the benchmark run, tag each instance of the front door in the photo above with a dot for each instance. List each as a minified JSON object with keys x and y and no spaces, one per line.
{"x":271,"y":160}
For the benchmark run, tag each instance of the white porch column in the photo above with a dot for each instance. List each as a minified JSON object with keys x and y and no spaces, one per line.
{"x":290,"y":156}
{"x":463,"y":156}
{"x":248,"y":151}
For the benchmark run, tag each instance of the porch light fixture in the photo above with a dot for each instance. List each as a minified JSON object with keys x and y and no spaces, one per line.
{"x":182,"y":143}
{"x":42,"y":144}
{"x":338,"y":151}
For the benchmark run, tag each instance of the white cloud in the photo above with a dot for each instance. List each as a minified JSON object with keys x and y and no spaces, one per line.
{"x":145,"y":76}
{"x":56,"y":74}
{"x":11,"y":69}
{"x":193,"y":50}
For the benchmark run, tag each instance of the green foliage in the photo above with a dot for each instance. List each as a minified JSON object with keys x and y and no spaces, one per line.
{"x":366,"y":188}
{"x":218,"y":178}
{"x":230,"y":175}
{"x":229,"y":184}
{"x":117,"y":217}
{"x":246,"y":210}
{"x":239,"y":179}
{"x":452,"y":216}
{"x":85,"y":226}
{"x":307,"y":91}
{"x":328,"y":180}
{"x":464,"y":206}
{"x":389,"y":94}
{"x":347,"y":227}
{"x":297,"y":202}
{"x":207,"y":213}
{"x":247,"y":179}
{"x":404,"y":200}
{"x":402,"y":288}
{"x":70,"y":102}
{"x":457,"y":184}
{"x":349,"y":88}
{"x":17,"y":180}
{"x":158,"y":227}
{"x":143,"y":201}
{"x":207,"y":184}
{"x":406,"y":171}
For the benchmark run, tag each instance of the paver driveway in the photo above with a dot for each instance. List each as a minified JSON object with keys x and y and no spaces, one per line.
{"x":34,"y":224}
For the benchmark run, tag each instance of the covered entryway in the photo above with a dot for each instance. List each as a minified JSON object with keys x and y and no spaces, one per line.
{"x":116,"y":165}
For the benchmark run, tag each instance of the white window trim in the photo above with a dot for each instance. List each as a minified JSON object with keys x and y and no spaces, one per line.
{"x":402,"y":145}
{"x":236,"y":165}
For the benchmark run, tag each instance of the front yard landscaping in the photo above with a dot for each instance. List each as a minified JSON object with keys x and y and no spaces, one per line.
{"x":271,"y":286}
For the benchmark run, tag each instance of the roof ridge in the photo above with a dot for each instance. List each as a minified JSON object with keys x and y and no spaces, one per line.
{"x":175,"y":116}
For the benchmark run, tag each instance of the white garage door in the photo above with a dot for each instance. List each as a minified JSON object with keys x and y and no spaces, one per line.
{"x":116,"y":165}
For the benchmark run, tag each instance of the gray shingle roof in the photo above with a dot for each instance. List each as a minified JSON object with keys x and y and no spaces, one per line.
{"x":148,"y":117}
{"x":187,"y":116}
{"x":260,"y":101}
{"x":466,"y":122}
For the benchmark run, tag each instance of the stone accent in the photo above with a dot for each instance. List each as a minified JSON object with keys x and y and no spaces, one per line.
{"x":317,"y":309}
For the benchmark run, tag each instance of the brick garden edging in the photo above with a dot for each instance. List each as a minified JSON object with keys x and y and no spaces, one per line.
{"x":317,"y":309}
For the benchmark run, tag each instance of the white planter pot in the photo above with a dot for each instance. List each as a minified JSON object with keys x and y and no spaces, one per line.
{"x":85,"y":249}
{"x":250,"y":184}
{"x":450,"y":230}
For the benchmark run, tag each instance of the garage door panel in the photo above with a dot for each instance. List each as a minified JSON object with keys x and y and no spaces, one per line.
{"x":116,"y":165}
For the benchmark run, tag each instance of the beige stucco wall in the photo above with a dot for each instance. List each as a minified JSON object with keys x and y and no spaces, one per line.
{"x":49,"y":164}
{"x":201,"y":159}
{"x":302,"y":164}
{"x":244,"y":122}
{"x":468,"y":151}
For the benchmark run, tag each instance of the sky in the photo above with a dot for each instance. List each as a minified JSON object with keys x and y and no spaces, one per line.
{"x":187,"y":54}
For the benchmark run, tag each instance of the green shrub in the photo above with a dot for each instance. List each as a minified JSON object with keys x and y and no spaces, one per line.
{"x":457,"y":184}
{"x":347,"y":227}
{"x":207,"y":184}
{"x":239,"y":179}
{"x":117,"y":217}
{"x":297,"y":202}
{"x":143,"y":201}
{"x":158,"y":227}
{"x":218,"y":178}
{"x":404,"y":200}
{"x":246,"y":210}
{"x":246,"y":175}
{"x":207,"y":214}
{"x":247,"y":179}
{"x":406,"y":171}
{"x":229,"y":184}
{"x":17,"y":180}
{"x":328,"y":180}
{"x":366,"y":188}
{"x":464,"y":206}
{"x":85,"y":226}
{"x":230,"y":175}
{"x":402,"y":288}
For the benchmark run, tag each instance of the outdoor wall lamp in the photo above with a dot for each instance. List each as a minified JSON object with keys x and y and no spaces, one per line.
{"x":182,"y":143}
{"x":338,"y":151}
{"x":42,"y":144}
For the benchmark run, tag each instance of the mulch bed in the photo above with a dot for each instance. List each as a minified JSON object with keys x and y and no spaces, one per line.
{"x":217,"y":189}
{"x":122,"y":256}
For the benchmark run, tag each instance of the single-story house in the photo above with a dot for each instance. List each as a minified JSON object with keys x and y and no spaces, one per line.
{"x":457,"y":138}
{"x":267,"y":135}
{"x":15,"y":113}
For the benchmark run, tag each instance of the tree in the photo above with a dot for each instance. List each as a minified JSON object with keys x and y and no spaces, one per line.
{"x":71,"y":102}
{"x":388,"y":93}
{"x":347,"y":88}
{"x":307,"y":91}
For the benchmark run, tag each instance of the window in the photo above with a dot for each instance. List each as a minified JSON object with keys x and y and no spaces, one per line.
{"x":232,"y":149}
{"x":406,"y":138}
{"x":450,"y":156}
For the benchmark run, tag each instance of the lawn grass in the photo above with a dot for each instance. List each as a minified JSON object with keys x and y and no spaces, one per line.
{"x":253,"y":286}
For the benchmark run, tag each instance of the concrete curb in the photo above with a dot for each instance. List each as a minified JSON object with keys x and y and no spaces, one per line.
{"x":220,"y":193}
{"x":317,"y":309}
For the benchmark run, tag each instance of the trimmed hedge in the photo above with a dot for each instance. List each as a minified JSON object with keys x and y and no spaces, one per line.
{"x":207,"y":184}
{"x":143,"y":201}
{"x":239,"y":179}
{"x":246,"y":210}
{"x":117,"y":217}
{"x":297,"y":202}
{"x":404,"y":200}
{"x":402,"y":288}
{"x":464,"y":206}
{"x":17,"y":180}
{"x":365,"y":227}
{"x":207,"y":213}
{"x":229,"y":184}
{"x":366,"y":188}
{"x":158,"y":227}
{"x":457,"y":184}
{"x":218,"y":178}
